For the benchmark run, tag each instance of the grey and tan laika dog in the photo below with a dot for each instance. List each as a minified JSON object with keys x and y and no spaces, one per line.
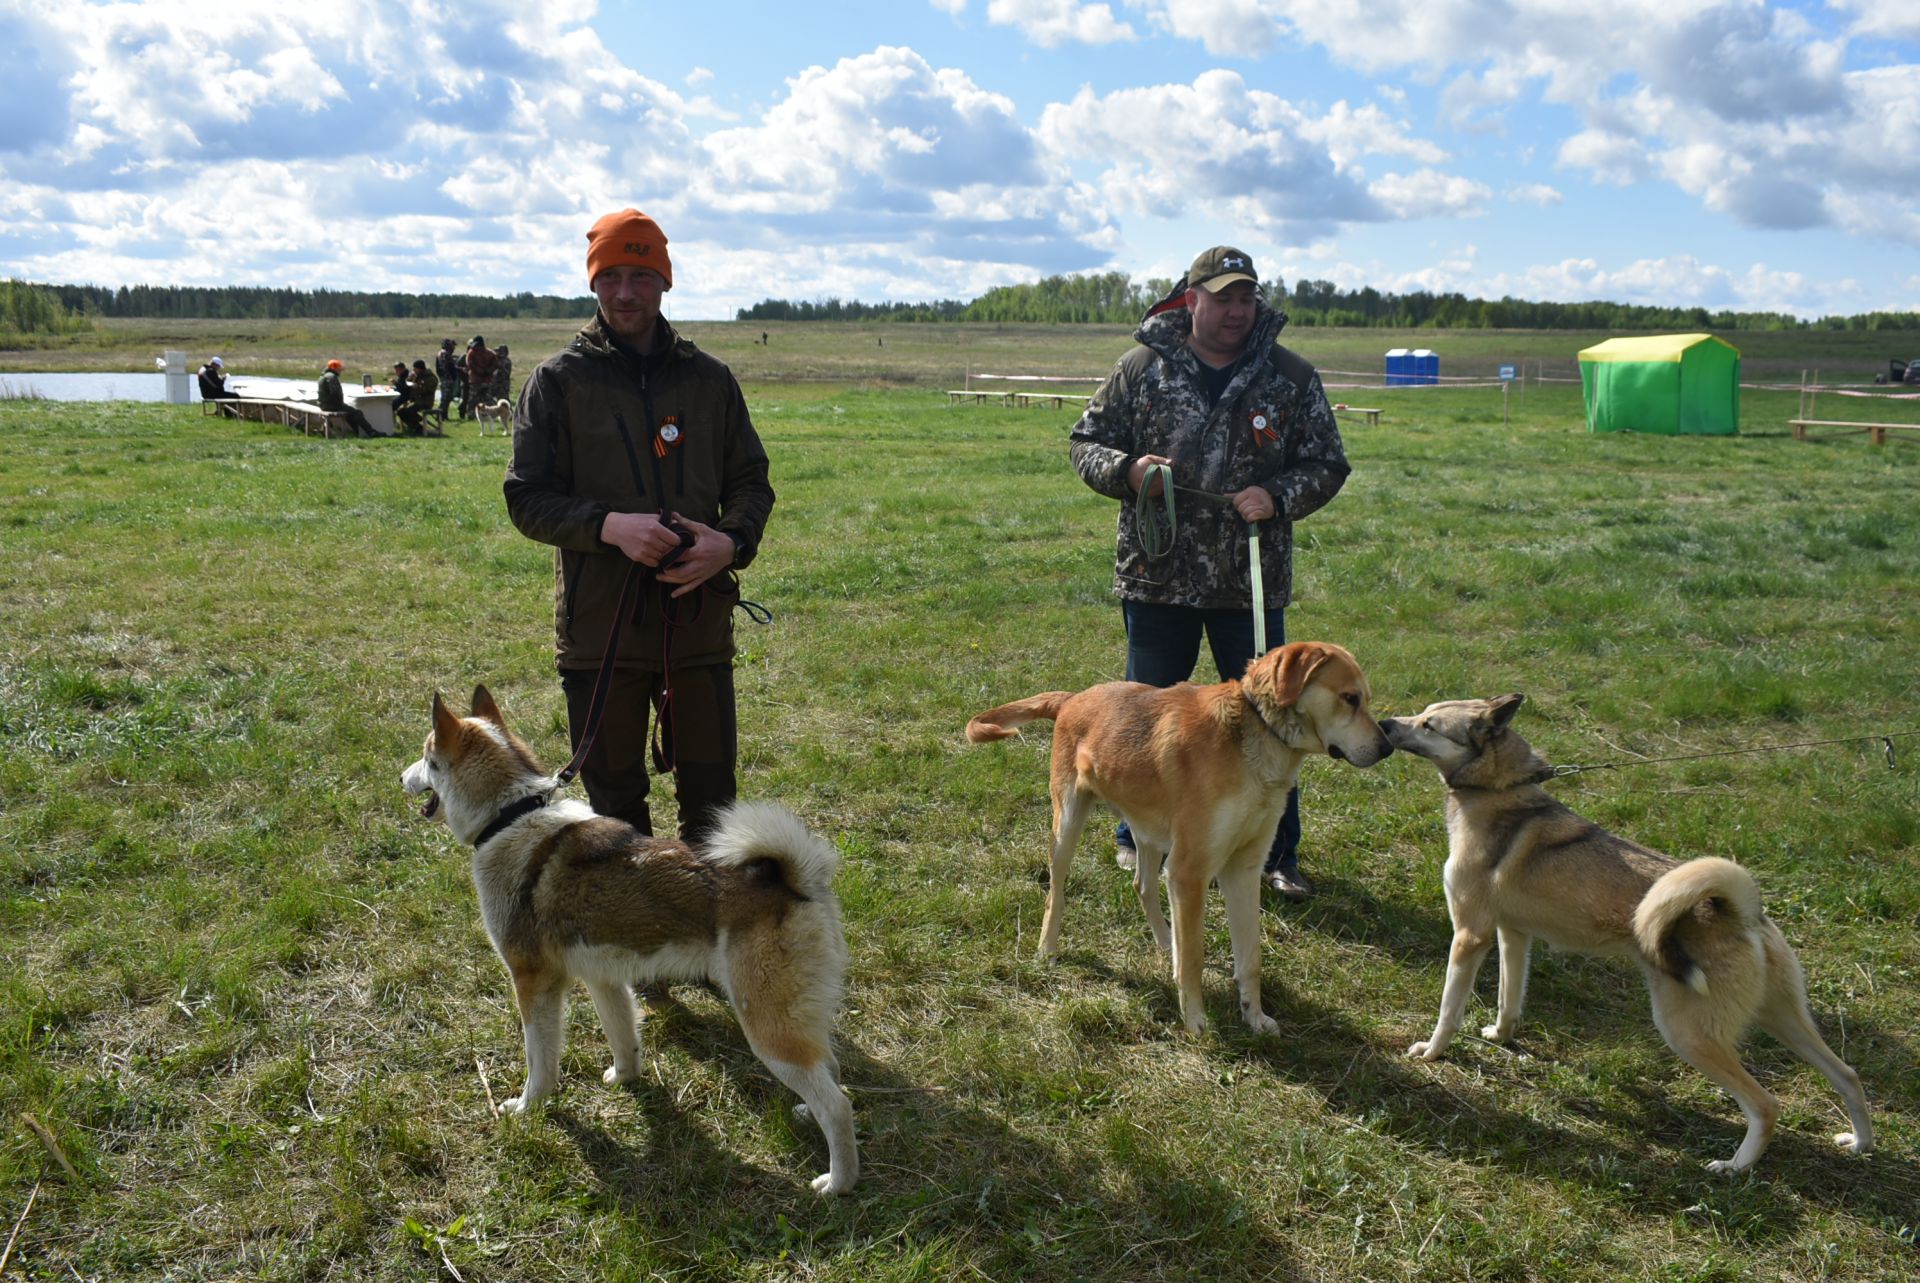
{"x":567,"y":894}
{"x":1521,"y":866}
{"x":1201,"y":774}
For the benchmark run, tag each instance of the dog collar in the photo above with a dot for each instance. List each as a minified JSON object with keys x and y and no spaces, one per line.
{"x":1261,"y":718}
{"x":508,"y":814}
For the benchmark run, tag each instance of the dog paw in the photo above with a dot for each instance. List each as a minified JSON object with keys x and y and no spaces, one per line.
{"x":1495,"y":1033}
{"x":1424,"y":1051}
{"x":1851,"y":1143}
{"x":1261,"y":1023}
{"x":615,"y":1075}
{"x":1724,"y":1167}
{"x":824,"y":1186}
{"x":518,"y":1105}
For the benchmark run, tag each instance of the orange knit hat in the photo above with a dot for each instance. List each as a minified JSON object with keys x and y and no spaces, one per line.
{"x":334,"y":365}
{"x":628,"y":239}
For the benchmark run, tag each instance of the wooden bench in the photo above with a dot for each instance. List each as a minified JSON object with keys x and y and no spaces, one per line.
{"x":304,"y":415}
{"x":1373,"y":416}
{"x":1058,"y":399}
{"x":1877,"y":432}
{"x":976,"y":395}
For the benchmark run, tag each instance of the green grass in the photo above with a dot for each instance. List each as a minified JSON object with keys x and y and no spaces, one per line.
{"x":818,"y":351}
{"x":247,"y":990}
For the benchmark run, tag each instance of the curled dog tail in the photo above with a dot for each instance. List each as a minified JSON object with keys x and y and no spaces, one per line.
{"x":1670,"y":902}
{"x":1005,"y":721}
{"x":751,"y":831}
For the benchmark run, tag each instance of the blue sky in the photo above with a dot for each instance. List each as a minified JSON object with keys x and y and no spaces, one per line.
{"x":1712,"y":152}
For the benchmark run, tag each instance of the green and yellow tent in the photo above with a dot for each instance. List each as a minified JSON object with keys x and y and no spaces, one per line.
{"x":1672,"y":384}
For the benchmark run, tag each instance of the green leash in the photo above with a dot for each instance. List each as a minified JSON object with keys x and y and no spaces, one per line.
{"x":1155,"y":530}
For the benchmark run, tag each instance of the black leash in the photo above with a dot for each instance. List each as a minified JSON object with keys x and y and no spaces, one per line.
{"x":1885,"y":740}
{"x":597,"y":707}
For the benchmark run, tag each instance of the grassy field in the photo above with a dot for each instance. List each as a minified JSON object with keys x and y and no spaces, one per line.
{"x":246,"y":991}
{"x":919,"y":355}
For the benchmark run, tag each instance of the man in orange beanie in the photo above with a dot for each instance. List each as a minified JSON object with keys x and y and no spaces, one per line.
{"x":329,"y":396}
{"x":633,"y":447}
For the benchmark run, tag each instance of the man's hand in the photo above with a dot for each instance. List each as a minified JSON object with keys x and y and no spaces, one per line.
{"x":1254,"y":504}
{"x":1136,"y":475}
{"x":641,"y":535}
{"x":711,"y":553}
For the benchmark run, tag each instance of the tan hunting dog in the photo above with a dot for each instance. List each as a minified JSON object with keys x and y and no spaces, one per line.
{"x":567,"y":894}
{"x":1201,"y":774}
{"x":1521,"y":866}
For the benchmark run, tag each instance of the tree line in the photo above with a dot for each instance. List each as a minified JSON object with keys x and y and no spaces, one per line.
{"x":80,"y":303}
{"x":1098,"y":298}
{"x":1114,"y":298}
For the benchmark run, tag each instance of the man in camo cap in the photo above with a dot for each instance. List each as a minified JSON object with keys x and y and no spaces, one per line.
{"x":1210,"y":393}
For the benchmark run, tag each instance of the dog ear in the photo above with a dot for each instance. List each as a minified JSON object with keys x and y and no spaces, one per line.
{"x":446,"y":727}
{"x":485,"y":708}
{"x":1503,"y":709}
{"x":1298,"y":663}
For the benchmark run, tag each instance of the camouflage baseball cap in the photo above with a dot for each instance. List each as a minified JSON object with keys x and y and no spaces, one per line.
{"x":1220,"y":267}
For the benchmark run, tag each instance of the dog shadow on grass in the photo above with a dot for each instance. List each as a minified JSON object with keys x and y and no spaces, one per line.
{"x":1640,"y":1137}
{"x":943,"y":1163}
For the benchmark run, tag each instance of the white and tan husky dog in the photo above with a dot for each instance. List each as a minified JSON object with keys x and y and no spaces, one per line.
{"x":1521,"y":866}
{"x":568,"y":894}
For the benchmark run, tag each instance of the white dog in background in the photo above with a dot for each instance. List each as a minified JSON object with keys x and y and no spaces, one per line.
{"x":498,"y":412}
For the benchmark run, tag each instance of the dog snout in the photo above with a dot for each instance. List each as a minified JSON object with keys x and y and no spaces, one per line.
{"x":1375,"y":750}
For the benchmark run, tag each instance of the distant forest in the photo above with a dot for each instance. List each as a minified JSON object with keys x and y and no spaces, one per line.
{"x":260,"y":303}
{"x":1113,"y":298}
{"x":1105,"y":298}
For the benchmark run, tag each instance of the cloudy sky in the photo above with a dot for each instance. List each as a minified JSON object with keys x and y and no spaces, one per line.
{"x":1715,"y":152}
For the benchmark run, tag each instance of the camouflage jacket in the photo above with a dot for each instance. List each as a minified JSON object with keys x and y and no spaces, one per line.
{"x":602,"y":429}
{"x":1271,"y":427}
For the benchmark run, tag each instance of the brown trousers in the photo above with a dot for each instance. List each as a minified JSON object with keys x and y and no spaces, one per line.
{"x":702,"y":733}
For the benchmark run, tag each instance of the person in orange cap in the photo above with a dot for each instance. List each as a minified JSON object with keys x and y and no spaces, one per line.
{"x":634,"y":448}
{"x":329,"y":396}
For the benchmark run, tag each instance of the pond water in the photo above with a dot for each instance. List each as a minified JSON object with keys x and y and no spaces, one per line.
{"x":86,"y":387}
{"x":143,"y":387}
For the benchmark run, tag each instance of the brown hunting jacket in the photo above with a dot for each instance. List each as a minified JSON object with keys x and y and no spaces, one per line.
{"x":602,"y":429}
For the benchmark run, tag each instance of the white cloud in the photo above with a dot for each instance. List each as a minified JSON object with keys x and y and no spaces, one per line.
{"x":1245,"y":156}
{"x":1227,"y":28}
{"x":1054,"y":22}
{"x":1534,"y":194}
{"x":1431,"y":194}
{"x":1882,"y":19}
{"x":1654,"y":81}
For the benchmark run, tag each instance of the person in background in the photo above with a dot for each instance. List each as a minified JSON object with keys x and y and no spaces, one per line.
{"x":1210,"y":393}
{"x":420,"y":391}
{"x":502,"y":375}
{"x":213,"y":384}
{"x":404,"y":409}
{"x":333,"y":399}
{"x":446,"y":366}
{"x":634,"y":449}
{"x":476,"y":368}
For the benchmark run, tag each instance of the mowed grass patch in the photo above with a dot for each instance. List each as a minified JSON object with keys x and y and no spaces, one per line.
{"x":247,"y":989}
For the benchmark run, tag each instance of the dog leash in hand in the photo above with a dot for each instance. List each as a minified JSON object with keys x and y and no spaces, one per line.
{"x":1155,"y":531}
{"x":1886,"y":742}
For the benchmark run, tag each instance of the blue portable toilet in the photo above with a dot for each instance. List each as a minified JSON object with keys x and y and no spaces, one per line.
{"x":1399,"y":367}
{"x":1425,"y":365}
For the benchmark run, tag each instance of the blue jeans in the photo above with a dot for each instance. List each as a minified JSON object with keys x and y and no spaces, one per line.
{"x":1163,"y":646}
